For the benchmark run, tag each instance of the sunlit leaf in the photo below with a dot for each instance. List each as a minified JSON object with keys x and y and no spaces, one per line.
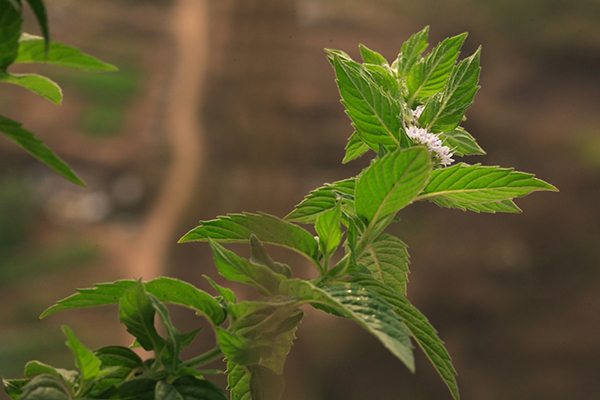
{"x":320,"y":200}
{"x":411,"y":52}
{"x":461,"y":142}
{"x":86,"y":361}
{"x":37,"y":84}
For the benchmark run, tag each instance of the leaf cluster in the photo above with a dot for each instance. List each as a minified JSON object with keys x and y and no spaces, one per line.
{"x":362,"y":271}
{"x":17,"y":47}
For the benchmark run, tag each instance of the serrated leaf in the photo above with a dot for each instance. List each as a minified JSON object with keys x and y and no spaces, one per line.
{"x":355,"y":148}
{"x":45,"y":387}
{"x":387,"y":259}
{"x":320,"y":200}
{"x":28,"y":141}
{"x":39,"y":9}
{"x":166,"y":289}
{"x":227,"y":293}
{"x":37,"y":84}
{"x":461,"y":142}
{"x":10,"y":30}
{"x":392,"y":182}
{"x":492,"y":207}
{"x":237,"y":348}
{"x":411,"y":52}
{"x":420,"y":328}
{"x":376,"y":116}
{"x":429,"y":75}
{"x":363,"y":306}
{"x":464,"y":185}
{"x":136,"y":312}
{"x":238,"y":381}
{"x":265,"y":384}
{"x":86,"y":361}
{"x":32,"y":49}
{"x":238,"y":269}
{"x":372,"y":57}
{"x":329,"y":229}
{"x":457,"y":97}
{"x":267,"y":228}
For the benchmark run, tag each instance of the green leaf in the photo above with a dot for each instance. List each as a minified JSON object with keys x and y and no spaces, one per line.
{"x":227,"y":293}
{"x":32,"y":49}
{"x":14,"y":387}
{"x":387,"y":259}
{"x":37,"y":148}
{"x":10,"y":30}
{"x":372,"y":57}
{"x":174,"y":291}
{"x":37,"y":84}
{"x":45,"y":387}
{"x":355,"y":148}
{"x":392,"y":182}
{"x":457,"y":97}
{"x":376,"y":116}
{"x":170,"y":357}
{"x":420,"y":328}
{"x":189,"y":388}
{"x":329,"y":229}
{"x":363,"y":306}
{"x":166,"y":391}
{"x":85,"y":360}
{"x":33,"y":368}
{"x":119,"y":356}
{"x":321,"y":200}
{"x":39,"y":9}
{"x":492,"y":207}
{"x":411,"y":52}
{"x":461,"y":142}
{"x":136,"y":312}
{"x":463,"y":185}
{"x":265,"y":384}
{"x":238,"y":269}
{"x":429,"y":75}
{"x":261,"y":257}
{"x":237,"y":348}
{"x":238,"y":382}
{"x":267,"y":228}
{"x":133,"y":389}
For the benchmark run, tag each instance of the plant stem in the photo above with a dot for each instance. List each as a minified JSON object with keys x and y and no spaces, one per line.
{"x":205,"y":358}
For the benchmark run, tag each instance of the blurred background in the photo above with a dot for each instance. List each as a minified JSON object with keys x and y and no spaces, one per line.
{"x":229,"y":106}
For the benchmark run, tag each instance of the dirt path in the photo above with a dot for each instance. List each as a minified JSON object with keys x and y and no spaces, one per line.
{"x":189,"y":28}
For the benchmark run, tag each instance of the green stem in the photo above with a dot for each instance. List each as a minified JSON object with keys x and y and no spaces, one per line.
{"x":205,"y":358}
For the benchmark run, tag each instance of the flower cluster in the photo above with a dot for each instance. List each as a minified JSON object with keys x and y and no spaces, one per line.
{"x":436,"y":147}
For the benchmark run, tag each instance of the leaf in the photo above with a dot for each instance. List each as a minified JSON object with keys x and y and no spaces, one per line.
{"x":37,"y":148}
{"x":238,"y":269}
{"x":136,"y":312}
{"x":387,"y":259}
{"x":429,"y":75}
{"x":461,"y":142}
{"x":13,"y":387}
{"x":267,"y":228}
{"x":172,"y":345}
{"x":491,"y":207}
{"x":372,"y":57}
{"x":37,"y":84}
{"x":420,"y":328}
{"x":376,"y":116}
{"x":10,"y":30}
{"x":411,"y":52}
{"x":45,"y":387}
{"x":329,"y":229}
{"x":457,"y":97}
{"x":119,"y":356}
{"x":32,"y":49}
{"x":355,"y":148}
{"x":363,"y":306}
{"x":265,"y":384}
{"x":86,"y":361}
{"x":237,"y":348}
{"x":33,"y":368}
{"x":238,"y":381}
{"x":39,"y":9}
{"x":138,"y":389}
{"x":463,"y":185}
{"x":320,"y":200}
{"x":261,"y":257}
{"x":166,"y":289}
{"x":227,"y":293}
{"x":189,"y":388}
{"x":392,"y":182}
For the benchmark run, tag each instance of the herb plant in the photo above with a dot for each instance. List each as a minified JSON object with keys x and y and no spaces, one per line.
{"x":406,"y":114}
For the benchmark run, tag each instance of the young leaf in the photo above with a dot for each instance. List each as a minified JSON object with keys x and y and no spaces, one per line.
{"x":267,"y":228}
{"x":32,"y":49}
{"x":37,"y":148}
{"x":376,"y":116}
{"x":387,"y":259}
{"x":363,"y":306}
{"x":392,"y":182}
{"x":46,"y":387}
{"x":39,"y":9}
{"x":429,"y":76}
{"x":355,"y":148}
{"x":458,"y":95}
{"x":228,"y":294}
{"x":372,"y":57}
{"x":411,"y":52}
{"x":237,"y":348}
{"x":261,"y":257}
{"x":136,"y":312}
{"x":463,"y":185}
{"x":238,"y":269}
{"x":37,"y":84}
{"x":86,"y":361}
{"x":10,"y":30}
{"x":320,"y":200}
{"x":329,"y":229}
{"x":173,"y":346}
{"x":34,"y":368}
{"x":461,"y":142}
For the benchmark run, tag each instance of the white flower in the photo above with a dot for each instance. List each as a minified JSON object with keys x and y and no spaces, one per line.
{"x":441,"y":153}
{"x":417,"y":111}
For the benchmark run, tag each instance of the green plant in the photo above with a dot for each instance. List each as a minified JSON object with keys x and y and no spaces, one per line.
{"x":408,"y":115}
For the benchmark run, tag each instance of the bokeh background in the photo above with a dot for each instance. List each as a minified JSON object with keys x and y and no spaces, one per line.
{"x":229,"y":106}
